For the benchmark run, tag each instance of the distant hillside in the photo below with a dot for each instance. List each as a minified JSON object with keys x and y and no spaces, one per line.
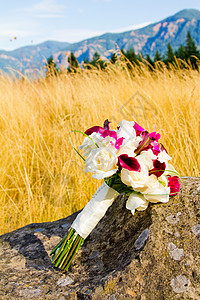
{"x":146,"y":40}
{"x":30,"y":57}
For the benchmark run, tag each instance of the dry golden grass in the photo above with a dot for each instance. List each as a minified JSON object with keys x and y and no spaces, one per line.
{"x":42,"y":178}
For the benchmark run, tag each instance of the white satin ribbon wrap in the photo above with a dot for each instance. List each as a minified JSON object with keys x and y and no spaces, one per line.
{"x":94,"y":210}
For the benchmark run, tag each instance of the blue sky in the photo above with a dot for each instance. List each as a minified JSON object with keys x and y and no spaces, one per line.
{"x":31,"y":22}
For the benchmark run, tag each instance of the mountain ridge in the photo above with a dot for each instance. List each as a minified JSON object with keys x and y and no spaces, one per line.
{"x":147,"y":40}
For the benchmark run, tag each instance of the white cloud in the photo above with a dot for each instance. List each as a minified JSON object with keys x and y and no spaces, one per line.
{"x":128,"y":28}
{"x":47,"y":9}
{"x":48,"y":6}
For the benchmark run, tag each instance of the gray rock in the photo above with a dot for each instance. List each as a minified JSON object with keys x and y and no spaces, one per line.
{"x":180,"y":284}
{"x":175,"y":252}
{"x":139,"y":243}
{"x":154,"y":254}
{"x":65,"y":281}
{"x":196,"y":229}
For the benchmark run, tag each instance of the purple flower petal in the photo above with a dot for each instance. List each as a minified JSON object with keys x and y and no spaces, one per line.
{"x":129,"y":163}
{"x":106,"y":124}
{"x":159,"y":168}
{"x":138,"y":129}
{"x":110,"y":133}
{"x":145,"y":143}
{"x":94,"y":129}
{"x":154,"y":136}
{"x":156,"y":148}
{"x":119,"y":142}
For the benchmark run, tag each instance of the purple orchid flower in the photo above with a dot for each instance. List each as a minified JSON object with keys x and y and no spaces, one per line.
{"x":156,"y":148}
{"x":138,"y":129}
{"x":174,"y":184}
{"x":145,"y":143}
{"x":154,"y":136}
{"x":119,"y":142}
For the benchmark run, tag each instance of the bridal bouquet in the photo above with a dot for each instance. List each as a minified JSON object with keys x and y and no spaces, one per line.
{"x":131,"y":161}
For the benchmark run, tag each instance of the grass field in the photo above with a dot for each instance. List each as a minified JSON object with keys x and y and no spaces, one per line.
{"x":42,"y":178}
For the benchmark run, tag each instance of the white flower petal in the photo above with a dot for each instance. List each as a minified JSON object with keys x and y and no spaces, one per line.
{"x":135,"y":179}
{"x":102,"y":162}
{"x":147,"y":157}
{"x":89,"y":144}
{"x":163,"y":156}
{"x":157,"y":194}
{"x":126,"y":130}
{"x":136,"y":201}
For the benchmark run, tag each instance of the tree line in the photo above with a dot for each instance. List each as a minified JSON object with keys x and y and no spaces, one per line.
{"x":188,"y":55}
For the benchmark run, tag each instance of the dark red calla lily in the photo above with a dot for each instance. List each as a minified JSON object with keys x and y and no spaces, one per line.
{"x":158,"y":168}
{"x":110,"y":133}
{"x":129,"y":163}
{"x":94,"y":129}
{"x":98,"y":128}
{"x":163,"y":148}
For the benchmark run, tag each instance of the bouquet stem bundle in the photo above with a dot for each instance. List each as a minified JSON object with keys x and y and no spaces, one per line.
{"x":66,"y":250}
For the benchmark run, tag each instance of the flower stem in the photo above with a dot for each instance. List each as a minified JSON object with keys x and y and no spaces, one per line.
{"x":66,"y":250}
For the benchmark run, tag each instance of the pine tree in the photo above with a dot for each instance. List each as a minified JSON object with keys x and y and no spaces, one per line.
{"x":73,"y":63}
{"x":170,"y":54}
{"x":191,"y":48}
{"x":150,"y":62}
{"x":51,"y":66}
{"x":132,"y":56}
{"x":86,"y":64}
{"x":180,"y":53}
{"x":191,"y":51}
{"x":157,"y":56}
{"x":113,"y":58}
{"x":98,"y":62}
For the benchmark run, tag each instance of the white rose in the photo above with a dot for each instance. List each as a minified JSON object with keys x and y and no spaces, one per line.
{"x":156,"y":192}
{"x":102,"y":162}
{"x":108,"y":141}
{"x":126,"y":130}
{"x":152,"y":182}
{"x":147,"y":157}
{"x":135,"y":179}
{"x":136,"y":201}
{"x":89,"y":144}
